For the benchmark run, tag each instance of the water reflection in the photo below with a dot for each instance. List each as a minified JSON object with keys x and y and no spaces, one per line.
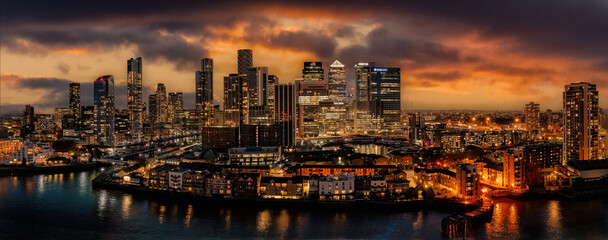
{"x":67,"y":205}
{"x":188,"y":217}
{"x":554,"y":224}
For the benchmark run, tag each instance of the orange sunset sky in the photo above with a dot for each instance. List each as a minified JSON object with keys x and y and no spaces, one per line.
{"x":478,"y":55}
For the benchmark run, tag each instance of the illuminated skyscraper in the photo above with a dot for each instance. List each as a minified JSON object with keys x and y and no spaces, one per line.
{"x":204,"y":91}
{"x":236,"y":100}
{"x":163,"y":103}
{"x":75,"y":100}
{"x":285,"y":112}
{"x":309,"y":95}
{"x":135,"y":102}
{"x":363,"y":74}
{"x":581,"y":122}
{"x":313,"y":71}
{"x":337,"y":82}
{"x":532,"y":114}
{"x":257,"y":83}
{"x":153,"y":109}
{"x":176,"y":107}
{"x":103,"y":100}
{"x":245,"y":60}
{"x":386,"y":88}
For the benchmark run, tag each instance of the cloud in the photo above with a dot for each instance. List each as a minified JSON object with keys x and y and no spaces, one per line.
{"x":56,"y":93}
{"x":63,"y":68}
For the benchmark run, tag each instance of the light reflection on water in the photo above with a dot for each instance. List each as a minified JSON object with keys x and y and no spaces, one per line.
{"x":67,"y":206}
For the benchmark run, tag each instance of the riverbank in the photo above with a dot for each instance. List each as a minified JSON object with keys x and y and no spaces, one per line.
{"x":32,"y":170}
{"x":403,"y":205}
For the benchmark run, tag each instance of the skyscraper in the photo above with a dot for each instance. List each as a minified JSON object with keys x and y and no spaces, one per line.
{"x":363,"y":74}
{"x":313,"y":71}
{"x":386,"y":88}
{"x":135,"y":102}
{"x":337,"y":82}
{"x":309,"y":95}
{"x":245,"y":60}
{"x":257,"y":83}
{"x":581,"y":122}
{"x":236,"y":100}
{"x":532,"y":114}
{"x":29,"y":117}
{"x":204,"y":91}
{"x":176,"y":107}
{"x":162,"y":103}
{"x":75,"y":100}
{"x":153,"y":109}
{"x":285,"y":112}
{"x":103,"y":100}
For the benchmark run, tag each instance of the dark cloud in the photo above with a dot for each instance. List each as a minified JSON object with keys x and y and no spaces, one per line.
{"x":441,"y":76}
{"x":56,"y":92}
{"x":64,"y":68}
{"x":153,"y":45}
{"x":319,"y":44}
{"x":382,"y":45}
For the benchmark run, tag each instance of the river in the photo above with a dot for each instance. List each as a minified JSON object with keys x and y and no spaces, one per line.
{"x":65,"y":206}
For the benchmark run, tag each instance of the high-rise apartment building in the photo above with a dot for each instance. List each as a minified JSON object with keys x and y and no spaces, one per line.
{"x":532,"y":115}
{"x":135,"y":102}
{"x":204,"y":91}
{"x":236,"y":100}
{"x":163,"y":103}
{"x":103,"y":100}
{"x":313,"y":71}
{"x":176,"y":107}
{"x":75,"y":100}
{"x":245,"y":60}
{"x":153,"y":109}
{"x":337,"y":82}
{"x":581,"y":122}
{"x":257,"y":83}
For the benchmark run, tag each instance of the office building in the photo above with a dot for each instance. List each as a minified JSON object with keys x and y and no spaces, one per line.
{"x":313,"y":71}
{"x":103,"y":101}
{"x":386,"y":88}
{"x":135,"y":102}
{"x":581,"y":122}
{"x":220,"y":138}
{"x":75,"y":100}
{"x":285,"y":112}
{"x":204,"y":91}
{"x":261,"y":135}
{"x":363,"y":78}
{"x":310,"y":94}
{"x":532,"y":115}
{"x":337,"y":82}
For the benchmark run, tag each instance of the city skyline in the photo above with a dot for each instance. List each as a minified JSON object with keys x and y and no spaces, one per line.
{"x":467,"y":63}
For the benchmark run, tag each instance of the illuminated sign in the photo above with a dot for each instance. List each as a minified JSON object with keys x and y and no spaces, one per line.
{"x":380,"y":69}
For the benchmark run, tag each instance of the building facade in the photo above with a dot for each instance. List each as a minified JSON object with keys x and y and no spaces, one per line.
{"x":581,"y":122}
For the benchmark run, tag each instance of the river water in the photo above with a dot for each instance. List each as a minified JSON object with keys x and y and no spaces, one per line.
{"x":65,"y":206}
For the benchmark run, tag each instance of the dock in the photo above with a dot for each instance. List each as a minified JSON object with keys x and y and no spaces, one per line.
{"x":459,"y":225}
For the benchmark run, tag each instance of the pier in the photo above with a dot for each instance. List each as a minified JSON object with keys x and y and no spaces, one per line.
{"x":459,"y":225}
